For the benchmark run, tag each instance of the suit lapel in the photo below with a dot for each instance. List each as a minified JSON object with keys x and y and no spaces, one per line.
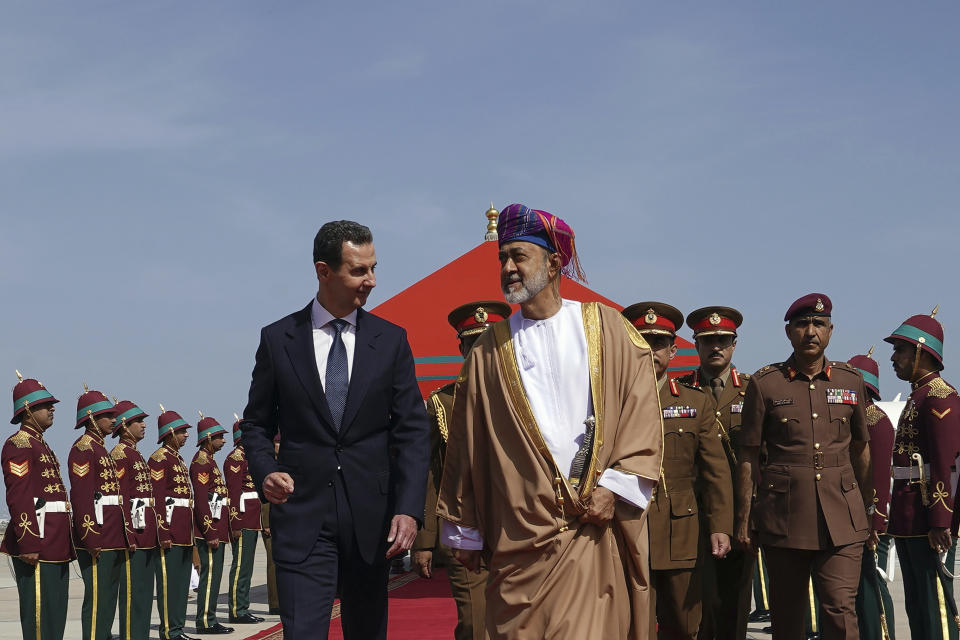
{"x":300,"y":350}
{"x":364,"y":363}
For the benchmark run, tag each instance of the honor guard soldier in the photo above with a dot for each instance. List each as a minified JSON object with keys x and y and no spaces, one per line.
{"x":38,"y":534}
{"x":171,"y":484}
{"x":211,"y":524}
{"x":874,"y":604}
{"x":922,"y":505}
{"x":244,"y":526}
{"x":693,"y":462}
{"x":726,"y":581}
{"x":99,"y":515}
{"x":133,"y":474}
{"x":469,"y":320}
{"x":810,"y":515}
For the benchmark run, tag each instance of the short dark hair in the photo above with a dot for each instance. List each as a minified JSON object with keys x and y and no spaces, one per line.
{"x":328,"y":243}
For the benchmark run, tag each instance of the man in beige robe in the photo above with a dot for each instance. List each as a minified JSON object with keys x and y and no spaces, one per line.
{"x":557,"y":447}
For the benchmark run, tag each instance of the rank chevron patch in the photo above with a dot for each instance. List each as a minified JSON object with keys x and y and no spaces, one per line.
{"x":121,"y":472}
{"x":156,"y":475}
{"x":941,"y":414}
{"x":80,"y":469}
{"x":203,"y":478}
{"x":21,"y":469}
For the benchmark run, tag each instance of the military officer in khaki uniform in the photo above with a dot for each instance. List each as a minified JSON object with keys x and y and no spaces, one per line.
{"x":693,"y":461}
{"x":469,"y":320}
{"x":922,"y":509}
{"x":726,"y":581}
{"x":814,"y":483}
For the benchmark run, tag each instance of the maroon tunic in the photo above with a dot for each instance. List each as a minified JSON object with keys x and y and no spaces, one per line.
{"x":245,"y":514}
{"x":881,"y":451}
{"x":137,"y":489}
{"x":172,"y":482}
{"x":93,"y":478}
{"x":207,"y":483}
{"x":31,"y":471}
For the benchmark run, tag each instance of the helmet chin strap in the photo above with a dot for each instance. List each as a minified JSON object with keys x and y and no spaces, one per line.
{"x":916,"y":363}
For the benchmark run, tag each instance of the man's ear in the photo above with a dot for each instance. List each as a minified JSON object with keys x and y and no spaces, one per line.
{"x":555,"y":263}
{"x":323,"y":270}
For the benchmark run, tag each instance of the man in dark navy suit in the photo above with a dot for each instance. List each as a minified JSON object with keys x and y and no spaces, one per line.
{"x":348,"y":485}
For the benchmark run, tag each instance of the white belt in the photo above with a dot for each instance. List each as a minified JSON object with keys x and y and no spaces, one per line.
{"x":109,"y":500}
{"x":177,"y":502}
{"x":105,"y":501}
{"x":57,"y":507}
{"x":910,"y":473}
{"x":247,"y":495}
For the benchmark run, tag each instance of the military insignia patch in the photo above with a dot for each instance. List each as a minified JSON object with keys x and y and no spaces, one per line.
{"x":235,"y":469}
{"x":203,"y":478}
{"x":736,"y":408}
{"x":714,"y":319}
{"x":819,"y":306}
{"x":156,"y":475}
{"x":80,"y":469}
{"x":841,"y":396}
{"x":651,"y":317}
{"x":481,"y":315}
{"x":121,"y":472}
{"x":679,"y":412}
{"x":19,"y":470}
{"x":941,"y":414}
{"x":783,"y":402}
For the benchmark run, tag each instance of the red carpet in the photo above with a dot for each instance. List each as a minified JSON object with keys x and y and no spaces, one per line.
{"x":419,"y":610}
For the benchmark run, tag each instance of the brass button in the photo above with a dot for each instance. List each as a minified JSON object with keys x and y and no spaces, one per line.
{"x":680,"y":430}
{"x":718,"y":413}
{"x":770,"y":486}
{"x":818,"y":477}
{"x":815,"y":416}
{"x":843,"y":419}
{"x":689,"y":510}
{"x":816,"y":445}
{"x":813,"y":386}
{"x":783,"y":419}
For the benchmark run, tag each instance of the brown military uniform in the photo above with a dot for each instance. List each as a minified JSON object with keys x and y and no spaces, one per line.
{"x":692,"y":454}
{"x":467,"y":587}
{"x":809,"y":514}
{"x":726,"y":581}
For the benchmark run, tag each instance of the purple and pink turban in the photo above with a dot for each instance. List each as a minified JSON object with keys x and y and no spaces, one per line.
{"x":519,"y":223}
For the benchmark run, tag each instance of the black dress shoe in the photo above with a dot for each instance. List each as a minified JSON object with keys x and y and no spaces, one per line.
{"x":218,"y":629}
{"x":760,"y":615}
{"x":247,"y":618}
{"x":184,"y":636}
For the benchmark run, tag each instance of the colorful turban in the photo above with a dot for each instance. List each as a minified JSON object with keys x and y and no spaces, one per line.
{"x":518,"y":222}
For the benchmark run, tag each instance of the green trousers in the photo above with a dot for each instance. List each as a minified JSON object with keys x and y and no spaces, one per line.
{"x":173,"y":584}
{"x":924,"y":595}
{"x":43,"y":598}
{"x":101,"y":585}
{"x":873,"y":598}
{"x":136,"y":593}
{"x":211,"y":571}
{"x":241,"y":571}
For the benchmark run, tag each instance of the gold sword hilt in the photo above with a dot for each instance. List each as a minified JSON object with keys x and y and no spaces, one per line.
{"x":924,"y":496}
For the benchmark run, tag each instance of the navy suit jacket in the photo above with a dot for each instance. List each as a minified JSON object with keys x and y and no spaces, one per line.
{"x":380,"y":453}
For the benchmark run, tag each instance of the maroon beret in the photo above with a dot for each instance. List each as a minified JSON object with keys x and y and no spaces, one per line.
{"x":812,"y":304}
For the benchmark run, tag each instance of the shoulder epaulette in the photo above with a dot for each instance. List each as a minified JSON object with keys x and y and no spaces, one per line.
{"x":236,"y":455}
{"x":688,"y":385}
{"x":777,"y":366}
{"x":83,"y":444}
{"x":119,"y":452}
{"x":159,"y":454}
{"x":874,"y":415}
{"x":844,"y":366}
{"x":685,"y":379}
{"x":201,"y":457}
{"x":939,"y":388}
{"x":21,"y":440}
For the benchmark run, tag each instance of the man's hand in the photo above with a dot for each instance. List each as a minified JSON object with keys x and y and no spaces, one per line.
{"x":214,"y":544}
{"x":470,"y":558}
{"x":600,"y":504}
{"x":939,"y":538}
{"x":166,"y":544}
{"x":235,"y":534}
{"x":95,"y":553}
{"x":423,"y":563}
{"x":719,"y":544}
{"x":743,"y":537}
{"x":873,"y":539}
{"x":30,"y":558}
{"x":277,"y":487}
{"x":403,"y":529}
{"x":132,"y":548}
{"x":266,"y":532}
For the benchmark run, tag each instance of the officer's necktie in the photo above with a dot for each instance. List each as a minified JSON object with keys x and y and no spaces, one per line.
{"x":717,"y":384}
{"x":337,"y":382}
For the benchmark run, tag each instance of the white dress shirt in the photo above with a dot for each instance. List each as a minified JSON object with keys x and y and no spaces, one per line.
{"x":323,"y":333}
{"x":552,"y":358}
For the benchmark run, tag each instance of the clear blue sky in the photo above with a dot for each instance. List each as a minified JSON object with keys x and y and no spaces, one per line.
{"x":164,"y":167}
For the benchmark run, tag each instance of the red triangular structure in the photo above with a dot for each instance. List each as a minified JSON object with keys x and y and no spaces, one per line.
{"x":472,"y":276}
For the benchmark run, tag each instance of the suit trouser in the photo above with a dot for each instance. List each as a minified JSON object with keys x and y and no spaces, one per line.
{"x":307,"y":588}
{"x":871,"y":604}
{"x":43,"y":598}
{"x":675,"y":603}
{"x":173,"y":586}
{"x":468,"y":590}
{"x":241,"y":571}
{"x":924,"y":595}
{"x":211,"y":572}
{"x":726,"y":594}
{"x":101,"y":586}
{"x":836,"y":575}
{"x":136,"y":593}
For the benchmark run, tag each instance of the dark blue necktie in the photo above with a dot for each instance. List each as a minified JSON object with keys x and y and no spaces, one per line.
{"x":337,"y":381}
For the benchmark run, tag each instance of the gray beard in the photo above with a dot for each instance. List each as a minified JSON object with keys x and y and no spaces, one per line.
{"x":530,"y":287}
